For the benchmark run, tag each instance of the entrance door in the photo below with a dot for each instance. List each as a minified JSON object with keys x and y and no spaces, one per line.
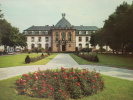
{"x":63,"y":48}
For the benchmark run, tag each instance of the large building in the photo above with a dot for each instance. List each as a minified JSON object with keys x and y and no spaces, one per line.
{"x":62,"y":37}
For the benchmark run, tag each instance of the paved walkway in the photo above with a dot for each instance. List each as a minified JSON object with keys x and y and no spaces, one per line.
{"x":65,"y":60}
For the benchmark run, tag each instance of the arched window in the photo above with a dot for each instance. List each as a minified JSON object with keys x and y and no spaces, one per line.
{"x":56,"y":36}
{"x":39,"y":45}
{"x":69,"y":36}
{"x":80,"y":46}
{"x":87,"y":45}
{"x":46,"y":46}
{"x":63,"y":35}
{"x":32,"y":46}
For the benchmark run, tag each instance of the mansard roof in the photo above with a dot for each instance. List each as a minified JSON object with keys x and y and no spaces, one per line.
{"x":63,"y":23}
{"x":39,"y":28}
{"x":87,"y":28}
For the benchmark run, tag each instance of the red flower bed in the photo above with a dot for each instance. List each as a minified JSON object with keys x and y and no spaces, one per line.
{"x":60,"y":84}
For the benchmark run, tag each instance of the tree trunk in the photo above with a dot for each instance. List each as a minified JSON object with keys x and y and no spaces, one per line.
{"x":5,"y":49}
{"x":122,"y":49}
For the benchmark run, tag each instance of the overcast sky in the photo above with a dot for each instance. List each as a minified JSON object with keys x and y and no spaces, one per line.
{"x":25,"y":13}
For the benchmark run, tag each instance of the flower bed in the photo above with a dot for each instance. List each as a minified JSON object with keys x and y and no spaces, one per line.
{"x":60,"y":84}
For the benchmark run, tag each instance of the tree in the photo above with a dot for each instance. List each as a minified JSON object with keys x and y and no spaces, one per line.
{"x":1,"y":16}
{"x":92,"y":40}
{"x":99,"y":38}
{"x":117,"y":29}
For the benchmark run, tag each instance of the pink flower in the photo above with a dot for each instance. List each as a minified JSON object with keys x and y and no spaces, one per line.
{"x":36,"y":78}
{"x":89,"y":78}
{"x":28,"y":78}
{"x":93,"y":87}
{"x":42,"y":91}
{"x":44,"y":84}
{"x":60,"y":90}
{"x":24,"y":90}
{"x":56,"y":73}
{"x":93,"y":80}
{"x":17,"y":81}
{"x":101,"y":82}
{"x":96,"y":76}
{"x":78,"y":84}
{"x":43,"y":74}
{"x":63,"y":93}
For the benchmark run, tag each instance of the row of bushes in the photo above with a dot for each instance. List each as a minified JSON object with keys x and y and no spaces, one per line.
{"x":60,"y":84}
{"x":36,"y":50}
{"x":34,"y":59}
{"x":90,"y":57}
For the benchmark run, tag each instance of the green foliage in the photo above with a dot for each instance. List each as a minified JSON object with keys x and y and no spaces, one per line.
{"x":117,"y":30}
{"x":34,"y":59}
{"x":60,"y":84}
{"x":90,"y":57}
{"x":27,"y":59}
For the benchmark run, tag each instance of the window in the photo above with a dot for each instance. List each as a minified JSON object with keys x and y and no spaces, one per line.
{"x":26,"y":32}
{"x":36,"y":32}
{"x":80,"y":46}
{"x":87,"y":32}
{"x":29,"y":32}
{"x":39,"y":45}
{"x":32,"y":46}
{"x":80,"y":32}
{"x":80,"y":39}
{"x":46,"y":46}
{"x":87,"y":39}
{"x":33,"y":32}
{"x":46,"y":39}
{"x":32,"y":39}
{"x":46,"y":32}
{"x":56,"y":37}
{"x":56,"y":45}
{"x":69,"y":45}
{"x":63,"y":36}
{"x":39,"y":39}
{"x":69,"y":36}
{"x":87,"y":45}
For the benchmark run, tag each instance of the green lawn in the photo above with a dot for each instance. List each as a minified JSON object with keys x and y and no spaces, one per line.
{"x":109,"y":60}
{"x":115,"y":89}
{"x":18,"y":60}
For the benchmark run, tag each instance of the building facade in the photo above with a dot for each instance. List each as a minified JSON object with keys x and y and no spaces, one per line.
{"x":62,"y":37}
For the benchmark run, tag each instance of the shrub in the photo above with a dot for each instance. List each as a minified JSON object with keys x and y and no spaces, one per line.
{"x":60,"y":84}
{"x":96,"y":59}
{"x":90,"y":57}
{"x":27,"y":59}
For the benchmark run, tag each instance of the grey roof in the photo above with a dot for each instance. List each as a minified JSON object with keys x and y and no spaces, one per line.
{"x":63,"y":23}
{"x":82,"y":28}
{"x":39,"y":28}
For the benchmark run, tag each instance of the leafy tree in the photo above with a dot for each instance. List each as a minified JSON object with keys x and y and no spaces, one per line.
{"x":117,"y":29}
{"x":92,"y":40}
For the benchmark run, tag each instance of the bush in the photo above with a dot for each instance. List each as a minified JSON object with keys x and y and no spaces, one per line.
{"x":60,"y":84}
{"x":90,"y":57}
{"x":34,"y":59}
{"x":27,"y":59}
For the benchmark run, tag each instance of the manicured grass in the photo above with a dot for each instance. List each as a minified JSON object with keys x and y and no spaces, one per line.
{"x":115,"y":89}
{"x":19,"y":60}
{"x":109,"y":60}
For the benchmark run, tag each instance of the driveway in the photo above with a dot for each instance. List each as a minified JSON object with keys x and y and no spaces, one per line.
{"x":65,"y":60}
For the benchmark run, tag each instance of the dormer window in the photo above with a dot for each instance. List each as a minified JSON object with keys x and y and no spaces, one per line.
{"x":80,"y":32}
{"x":46,"y":32}
{"x":26,"y":32}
